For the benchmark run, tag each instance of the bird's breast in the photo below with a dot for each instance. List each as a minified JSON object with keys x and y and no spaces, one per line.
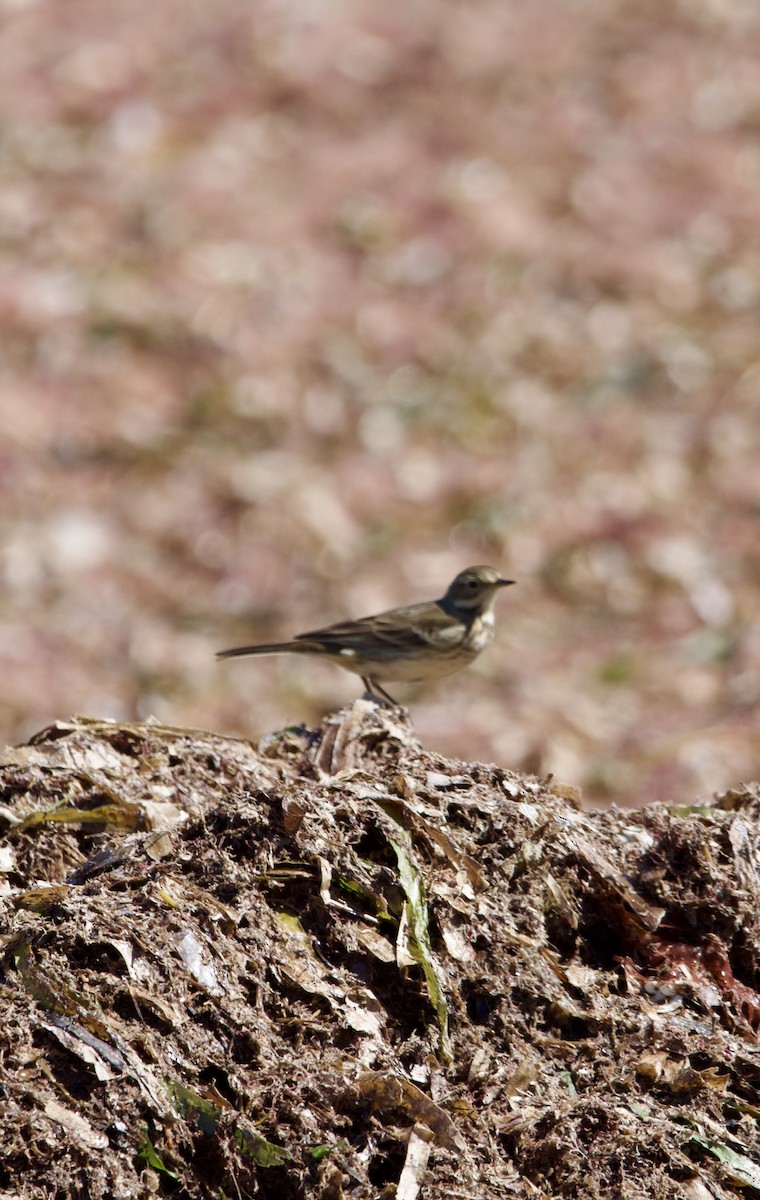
{"x":480,"y":633}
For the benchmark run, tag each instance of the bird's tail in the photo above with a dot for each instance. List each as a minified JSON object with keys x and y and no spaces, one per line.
{"x":267,"y":648}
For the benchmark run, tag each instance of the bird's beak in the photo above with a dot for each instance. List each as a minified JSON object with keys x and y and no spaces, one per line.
{"x":505,"y":582}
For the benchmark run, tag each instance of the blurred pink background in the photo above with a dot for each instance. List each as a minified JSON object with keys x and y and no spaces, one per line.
{"x":306,"y":307}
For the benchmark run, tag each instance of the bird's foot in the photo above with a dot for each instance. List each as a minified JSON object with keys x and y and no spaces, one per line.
{"x":377,"y":693}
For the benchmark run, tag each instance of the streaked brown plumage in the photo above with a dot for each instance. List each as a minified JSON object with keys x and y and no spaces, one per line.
{"x":411,"y":644}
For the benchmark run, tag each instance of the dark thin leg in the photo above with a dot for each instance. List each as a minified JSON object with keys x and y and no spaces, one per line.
{"x":377,"y":692}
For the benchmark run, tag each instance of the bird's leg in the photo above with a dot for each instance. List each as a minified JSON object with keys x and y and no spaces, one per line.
{"x":377,"y":692}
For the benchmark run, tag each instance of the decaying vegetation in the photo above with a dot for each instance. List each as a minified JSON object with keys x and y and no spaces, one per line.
{"x":338,"y":965}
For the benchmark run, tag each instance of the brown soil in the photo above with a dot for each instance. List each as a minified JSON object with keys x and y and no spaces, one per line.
{"x":338,"y":965}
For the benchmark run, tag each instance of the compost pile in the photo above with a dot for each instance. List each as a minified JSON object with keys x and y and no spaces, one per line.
{"x":336,"y":965}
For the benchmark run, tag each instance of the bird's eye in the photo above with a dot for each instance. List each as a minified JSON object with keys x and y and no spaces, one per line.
{"x":472,"y":584}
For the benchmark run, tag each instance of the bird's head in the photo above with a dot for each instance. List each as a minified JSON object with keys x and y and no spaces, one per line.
{"x":477,"y":587}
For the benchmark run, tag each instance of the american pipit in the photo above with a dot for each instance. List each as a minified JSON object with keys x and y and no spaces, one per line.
{"x":413,"y":644}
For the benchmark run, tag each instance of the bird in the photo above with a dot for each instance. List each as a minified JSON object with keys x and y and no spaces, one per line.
{"x":414,"y":644}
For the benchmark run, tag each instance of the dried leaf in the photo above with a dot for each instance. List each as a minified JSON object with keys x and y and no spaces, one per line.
{"x":293,"y":813}
{"x":77,"y":1125}
{"x":375,"y":942}
{"x":457,"y":943}
{"x":415,"y":1164}
{"x":42,"y":899}
{"x":159,"y":845}
{"x":300,"y":965}
{"x":652,"y":1065}
{"x":198,"y":961}
{"x":114,"y":816}
{"x":105,"y":1061}
{"x":388,"y":1093}
{"x":648,"y":915}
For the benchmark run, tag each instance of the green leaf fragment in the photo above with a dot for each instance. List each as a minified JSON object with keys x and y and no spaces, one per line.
{"x":640,"y":1110}
{"x":357,"y":891}
{"x":291,"y":924}
{"x":734,"y":1104}
{"x":262,"y":1152}
{"x":192,"y":1106}
{"x":741,"y":1169}
{"x":150,"y":1156}
{"x":417,"y":916}
{"x":320,"y":1152}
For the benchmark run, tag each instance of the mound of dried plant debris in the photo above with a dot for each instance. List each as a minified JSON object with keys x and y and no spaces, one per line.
{"x":336,"y":965}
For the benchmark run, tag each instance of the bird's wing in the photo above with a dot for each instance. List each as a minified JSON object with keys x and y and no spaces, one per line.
{"x":418,"y":627}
